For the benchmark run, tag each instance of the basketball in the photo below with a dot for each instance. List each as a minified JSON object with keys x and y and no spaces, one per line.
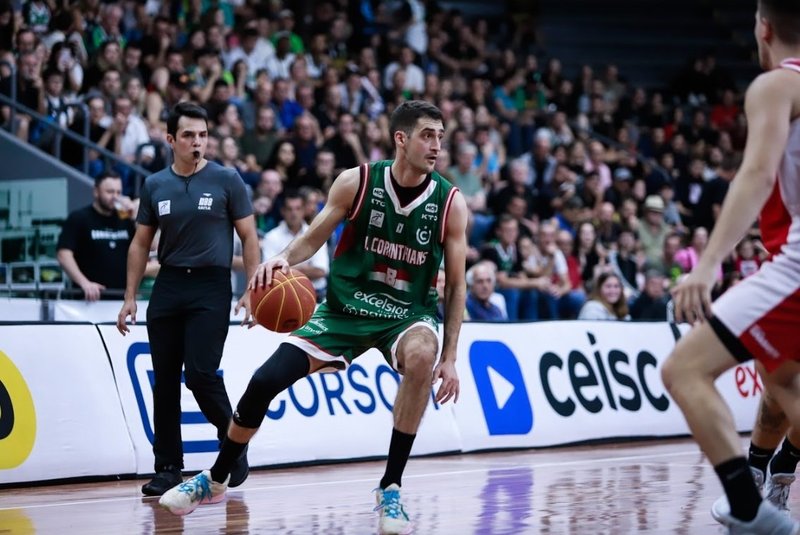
{"x":286,"y":304}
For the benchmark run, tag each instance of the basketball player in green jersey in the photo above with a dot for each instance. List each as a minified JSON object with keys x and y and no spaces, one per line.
{"x":402,"y":219}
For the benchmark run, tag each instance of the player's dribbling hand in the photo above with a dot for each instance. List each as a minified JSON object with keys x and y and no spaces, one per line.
{"x":128,"y":309}
{"x":263,"y":275}
{"x":692,"y":297}
{"x":244,"y":301}
{"x":449,"y":389}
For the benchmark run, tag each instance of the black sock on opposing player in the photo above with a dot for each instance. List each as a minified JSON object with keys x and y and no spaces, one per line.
{"x":759,"y":457}
{"x":785,"y":462}
{"x":228,"y":454}
{"x":737,"y":480}
{"x":399,"y":450}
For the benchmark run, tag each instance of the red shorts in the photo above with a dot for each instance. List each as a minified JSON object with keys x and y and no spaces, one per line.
{"x":760,"y":317}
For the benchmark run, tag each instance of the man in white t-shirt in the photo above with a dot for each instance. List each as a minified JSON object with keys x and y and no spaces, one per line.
{"x":293,"y":225}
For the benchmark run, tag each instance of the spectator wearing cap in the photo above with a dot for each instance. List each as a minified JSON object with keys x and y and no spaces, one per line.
{"x":620,"y":188}
{"x":286,"y":27}
{"x":414,"y":77}
{"x":653,"y":229}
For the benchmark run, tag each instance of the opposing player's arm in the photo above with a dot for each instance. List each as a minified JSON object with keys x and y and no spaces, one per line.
{"x":340,"y":200}
{"x":769,"y":108}
{"x":455,"y":287}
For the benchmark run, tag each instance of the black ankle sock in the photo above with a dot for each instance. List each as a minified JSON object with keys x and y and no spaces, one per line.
{"x":228,"y":454}
{"x":785,"y":462}
{"x":737,"y":480}
{"x":759,"y":457}
{"x":399,"y":450}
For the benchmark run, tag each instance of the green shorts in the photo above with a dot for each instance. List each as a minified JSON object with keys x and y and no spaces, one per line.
{"x":339,"y":338}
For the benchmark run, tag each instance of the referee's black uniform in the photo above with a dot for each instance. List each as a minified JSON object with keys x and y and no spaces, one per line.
{"x":189,"y":310}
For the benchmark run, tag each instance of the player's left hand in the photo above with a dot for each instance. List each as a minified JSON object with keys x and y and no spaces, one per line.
{"x":244,"y":302}
{"x":692,"y":297}
{"x":449,"y":389}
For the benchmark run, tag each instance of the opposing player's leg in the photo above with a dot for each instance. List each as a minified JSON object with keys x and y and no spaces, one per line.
{"x":768,"y":430}
{"x":689,"y":374}
{"x":784,"y":387}
{"x":415,"y":354}
{"x":286,"y":366}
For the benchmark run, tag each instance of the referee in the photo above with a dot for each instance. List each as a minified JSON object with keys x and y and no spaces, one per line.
{"x":195,"y":204}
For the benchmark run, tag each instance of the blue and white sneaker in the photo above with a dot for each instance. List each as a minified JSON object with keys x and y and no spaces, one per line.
{"x":393,"y":518}
{"x":201,"y":489}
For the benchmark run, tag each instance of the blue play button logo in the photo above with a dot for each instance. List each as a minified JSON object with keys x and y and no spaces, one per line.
{"x":501,"y":389}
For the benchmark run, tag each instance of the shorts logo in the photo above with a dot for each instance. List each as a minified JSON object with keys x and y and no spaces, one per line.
{"x":423,"y":236}
{"x":163,"y":207}
{"x":205,"y":202}
{"x":501,"y":389}
{"x":376,"y":219}
{"x":17,"y":416}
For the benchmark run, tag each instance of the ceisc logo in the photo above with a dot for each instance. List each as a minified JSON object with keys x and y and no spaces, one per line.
{"x":17,"y":416}
{"x":501,"y":388}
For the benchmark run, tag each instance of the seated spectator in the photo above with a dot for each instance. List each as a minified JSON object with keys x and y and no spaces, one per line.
{"x":519,"y":290}
{"x":607,"y":300}
{"x":651,"y":305}
{"x":666,"y":263}
{"x":481,"y":283}
{"x":571,"y":303}
{"x":747,"y":260}
{"x":317,"y":267}
{"x":688,"y":257}
{"x":625,"y":263}
{"x":93,"y":246}
{"x":653,"y":230}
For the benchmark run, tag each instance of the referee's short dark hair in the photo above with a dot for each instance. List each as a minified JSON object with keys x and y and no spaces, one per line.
{"x":184,"y":109}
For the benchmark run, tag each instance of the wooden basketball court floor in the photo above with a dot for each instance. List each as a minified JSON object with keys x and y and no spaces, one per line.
{"x":643,"y":487}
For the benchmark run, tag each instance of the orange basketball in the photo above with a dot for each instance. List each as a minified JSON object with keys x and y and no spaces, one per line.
{"x":285,"y":305}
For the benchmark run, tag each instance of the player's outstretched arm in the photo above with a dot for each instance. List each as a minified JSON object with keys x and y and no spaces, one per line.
{"x":769,"y":109}
{"x":455,"y":295}
{"x":340,"y":200}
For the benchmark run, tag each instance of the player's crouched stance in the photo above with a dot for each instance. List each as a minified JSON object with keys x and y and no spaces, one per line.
{"x":395,"y":252}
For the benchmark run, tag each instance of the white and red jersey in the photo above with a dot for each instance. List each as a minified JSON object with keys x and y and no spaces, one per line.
{"x":760,"y":316}
{"x":780,"y":217}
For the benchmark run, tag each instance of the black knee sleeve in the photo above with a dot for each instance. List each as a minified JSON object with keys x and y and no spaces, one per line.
{"x":288,"y":364}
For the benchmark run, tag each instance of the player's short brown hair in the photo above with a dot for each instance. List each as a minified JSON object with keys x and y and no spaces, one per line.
{"x":784,"y":16}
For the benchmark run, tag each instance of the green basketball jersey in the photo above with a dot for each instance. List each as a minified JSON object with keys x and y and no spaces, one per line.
{"x":388,"y":256}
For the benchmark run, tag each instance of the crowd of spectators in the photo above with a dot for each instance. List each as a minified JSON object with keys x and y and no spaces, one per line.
{"x":589,"y":195}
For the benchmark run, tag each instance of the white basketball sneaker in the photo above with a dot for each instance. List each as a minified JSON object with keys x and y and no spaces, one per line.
{"x":721,"y":509}
{"x":776,"y":490}
{"x":393,"y":518}
{"x":201,"y":489}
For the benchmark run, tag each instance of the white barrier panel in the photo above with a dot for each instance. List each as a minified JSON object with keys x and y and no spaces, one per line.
{"x":19,"y":309}
{"x":60,"y":414}
{"x":346,"y":415}
{"x":105,"y":311}
{"x":543,"y":384}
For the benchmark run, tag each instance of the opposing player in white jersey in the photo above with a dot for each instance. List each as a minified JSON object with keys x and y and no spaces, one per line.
{"x":760,"y":317}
